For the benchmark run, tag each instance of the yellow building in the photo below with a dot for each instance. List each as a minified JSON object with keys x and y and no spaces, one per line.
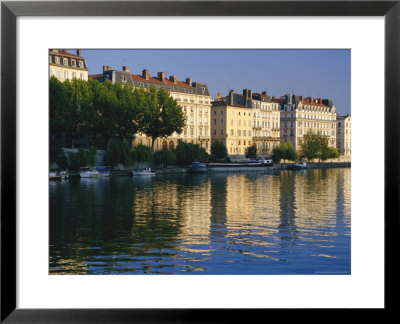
{"x":193,"y":97}
{"x":231,"y":123}
{"x":343,"y":140}
{"x":299,"y":114}
{"x":258,"y":125}
{"x":67,"y":66}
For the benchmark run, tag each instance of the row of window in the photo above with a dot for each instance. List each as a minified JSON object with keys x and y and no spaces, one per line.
{"x":67,"y":75}
{"x":57,"y":60}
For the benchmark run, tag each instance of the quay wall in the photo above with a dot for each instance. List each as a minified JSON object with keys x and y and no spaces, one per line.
{"x":275,"y":167}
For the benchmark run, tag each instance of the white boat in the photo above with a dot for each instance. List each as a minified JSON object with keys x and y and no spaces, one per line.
{"x":199,"y":167}
{"x":300,"y":166}
{"x":89,"y":173}
{"x":94,"y":172}
{"x":58,"y":175}
{"x":143,"y":172}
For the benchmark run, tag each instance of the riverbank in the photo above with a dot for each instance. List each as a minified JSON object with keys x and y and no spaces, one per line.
{"x":275,"y":167}
{"x":214,"y":169}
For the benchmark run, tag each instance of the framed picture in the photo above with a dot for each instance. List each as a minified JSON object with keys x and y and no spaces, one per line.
{"x":170,"y":300}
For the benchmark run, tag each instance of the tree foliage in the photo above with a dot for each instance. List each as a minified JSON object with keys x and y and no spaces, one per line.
{"x":119,"y":153}
{"x":164,"y":158}
{"x":141,"y":154}
{"x":251,"y":152}
{"x":186,"y":153}
{"x":284,"y":151}
{"x":160,"y":115}
{"x":316,"y":146}
{"x":218,"y":150}
{"x":83,"y":158}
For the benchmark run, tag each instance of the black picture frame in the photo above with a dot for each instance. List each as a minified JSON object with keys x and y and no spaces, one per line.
{"x":10,"y":10}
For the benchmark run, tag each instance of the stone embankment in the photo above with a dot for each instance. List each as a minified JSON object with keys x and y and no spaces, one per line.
{"x":275,"y":167}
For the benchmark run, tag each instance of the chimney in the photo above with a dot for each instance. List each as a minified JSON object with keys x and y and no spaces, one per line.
{"x":274,"y":98}
{"x":245,"y":96}
{"x":78,"y":52}
{"x":172,"y":78}
{"x":301,"y":98}
{"x":145,"y":74}
{"x":320,"y":100}
{"x":126,"y":69}
{"x":161,"y":76}
{"x":231,"y":97}
{"x":106,"y":68}
{"x":189,"y":81}
{"x":249,"y":94}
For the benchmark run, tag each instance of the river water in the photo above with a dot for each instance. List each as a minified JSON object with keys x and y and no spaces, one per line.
{"x":286,"y":222}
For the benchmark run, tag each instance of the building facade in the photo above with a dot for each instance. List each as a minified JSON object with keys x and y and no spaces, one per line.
{"x":193,"y":97}
{"x":298,"y":115}
{"x":231,"y":124}
{"x":343,"y":139}
{"x":67,"y":66}
{"x":264,"y":124}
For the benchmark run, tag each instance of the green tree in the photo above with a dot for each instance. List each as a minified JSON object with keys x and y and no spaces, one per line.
{"x":160,"y":115}
{"x":310,"y":145}
{"x":186,"y":153}
{"x":164,"y":157}
{"x":218,"y":150}
{"x":126,"y":112}
{"x":63,"y":114}
{"x":284,"y":151}
{"x":83,"y":158}
{"x":251,"y":152}
{"x":316,"y":146}
{"x":141,"y":154}
{"x":119,"y":153}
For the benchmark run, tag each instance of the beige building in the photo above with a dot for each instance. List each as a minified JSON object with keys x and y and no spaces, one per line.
{"x":260,"y":111}
{"x":193,"y":97}
{"x":67,"y":66}
{"x":299,"y":114}
{"x":231,"y":123}
{"x":343,"y":139}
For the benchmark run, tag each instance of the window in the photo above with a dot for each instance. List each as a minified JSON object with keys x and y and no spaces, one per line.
{"x":239,"y":132}
{"x":73,"y":63}
{"x":232,"y":132}
{"x":215,"y":121}
{"x":215,"y":132}
{"x":81,"y":76}
{"x":65,"y":74}
{"x":222,"y":121}
{"x":222,"y":132}
{"x":215,"y":112}
{"x":65,"y":61}
{"x":81,"y":64}
{"x":57,"y":60}
{"x":73,"y":75}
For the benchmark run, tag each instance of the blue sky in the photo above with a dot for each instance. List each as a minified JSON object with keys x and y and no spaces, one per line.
{"x":315,"y":73}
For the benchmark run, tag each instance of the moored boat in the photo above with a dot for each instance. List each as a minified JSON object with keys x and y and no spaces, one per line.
{"x":199,"y":167}
{"x":58,"y":175}
{"x":299,"y":166}
{"x":143,"y":172}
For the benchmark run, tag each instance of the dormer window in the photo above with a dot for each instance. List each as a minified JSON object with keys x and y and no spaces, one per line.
{"x":65,"y":61}
{"x":124,"y":78}
{"x":81,"y":64}
{"x":73,"y":63}
{"x":57,"y":60}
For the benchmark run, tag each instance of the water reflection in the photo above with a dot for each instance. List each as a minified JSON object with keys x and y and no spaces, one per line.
{"x":255,"y":223}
